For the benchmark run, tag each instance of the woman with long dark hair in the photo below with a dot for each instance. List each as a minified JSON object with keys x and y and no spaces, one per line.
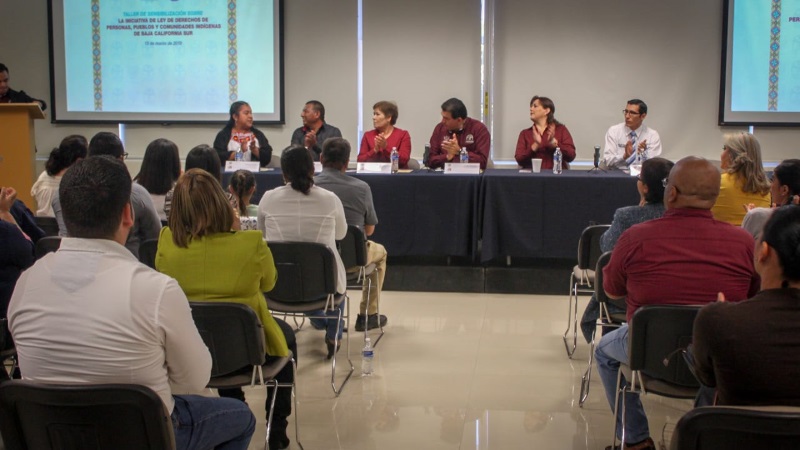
{"x":160,"y":169}
{"x":239,"y":134}
{"x":72,"y":148}
{"x":541,"y":139}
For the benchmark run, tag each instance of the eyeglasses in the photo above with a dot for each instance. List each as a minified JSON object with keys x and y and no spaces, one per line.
{"x":664,"y":183}
{"x":628,"y":112}
{"x":125,"y":155}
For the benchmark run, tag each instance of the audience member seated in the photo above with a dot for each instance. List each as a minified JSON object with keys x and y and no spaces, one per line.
{"x":17,"y":254}
{"x":239,"y":134}
{"x":146,"y":223}
{"x":199,"y":157}
{"x":748,"y":349}
{"x":71,"y":149}
{"x":684,"y":258}
{"x":377,"y":144}
{"x":356,"y":197}
{"x":541,"y":139}
{"x":91,"y":313}
{"x":315,"y":131}
{"x":213,"y":263}
{"x":456,"y":131}
{"x":784,"y":190}
{"x":743,"y":179}
{"x":241,"y":189}
{"x":650,"y":185}
{"x":160,"y":169}
{"x":302,"y":212}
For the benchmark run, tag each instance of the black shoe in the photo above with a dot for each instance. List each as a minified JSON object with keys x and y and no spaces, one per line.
{"x":278,"y":442}
{"x":373,"y":322}
{"x":330,"y":344}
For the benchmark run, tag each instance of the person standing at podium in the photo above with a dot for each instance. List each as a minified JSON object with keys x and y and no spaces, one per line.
{"x":8,"y":95}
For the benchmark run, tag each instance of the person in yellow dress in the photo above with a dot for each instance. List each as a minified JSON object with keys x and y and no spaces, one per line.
{"x":743,"y":179}
{"x":212,"y":261}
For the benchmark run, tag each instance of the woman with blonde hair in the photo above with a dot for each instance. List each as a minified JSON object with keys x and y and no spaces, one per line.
{"x":743,"y":179}
{"x":213,"y":263}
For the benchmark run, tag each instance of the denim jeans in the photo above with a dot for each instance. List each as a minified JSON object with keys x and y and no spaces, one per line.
{"x":328,"y":324}
{"x":609,"y":353}
{"x":203,"y":423}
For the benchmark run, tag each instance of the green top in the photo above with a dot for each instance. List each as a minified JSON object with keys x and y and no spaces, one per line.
{"x":232,"y":267}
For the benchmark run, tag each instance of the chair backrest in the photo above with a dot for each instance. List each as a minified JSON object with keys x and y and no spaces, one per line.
{"x":147,"y":252}
{"x":353,"y":248}
{"x":46,"y":245}
{"x":413,"y":164}
{"x":658,"y":333}
{"x":589,"y":246}
{"x":233,"y":334}
{"x":599,"y":292}
{"x":306,"y":271}
{"x":721,"y":427}
{"x":48,"y":224}
{"x":86,"y":417}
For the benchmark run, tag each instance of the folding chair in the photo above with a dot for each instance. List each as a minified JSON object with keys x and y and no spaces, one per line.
{"x":48,"y":224}
{"x":581,"y":279}
{"x":606,"y":319}
{"x":46,"y":245}
{"x":307,"y":283}
{"x":731,"y":427}
{"x":353,"y":249}
{"x":235,"y":338}
{"x":657,"y":335}
{"x":87,"y":417}
{"x":147,"y":253}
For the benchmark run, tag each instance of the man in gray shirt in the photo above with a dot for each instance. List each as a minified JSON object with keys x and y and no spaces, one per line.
{"x":146,"y":224}
{"x":314,"y":131}
{"x":356,"y":198}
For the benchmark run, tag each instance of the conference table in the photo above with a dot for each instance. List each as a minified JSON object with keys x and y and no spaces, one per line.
{"x":499,"y":213}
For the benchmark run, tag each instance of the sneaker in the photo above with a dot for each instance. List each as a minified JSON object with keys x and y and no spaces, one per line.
{"x":373,"y":322}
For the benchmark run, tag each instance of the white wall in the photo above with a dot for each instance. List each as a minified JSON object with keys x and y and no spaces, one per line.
{"x":589,"y":57}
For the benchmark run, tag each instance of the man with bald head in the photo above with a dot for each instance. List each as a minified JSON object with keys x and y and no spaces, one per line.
{"x":683,"y":258}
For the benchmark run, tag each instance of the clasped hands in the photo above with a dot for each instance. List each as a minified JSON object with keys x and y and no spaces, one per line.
{"x":537,"y":138}
{"x":451,"y":147}
{"x":640,"y":147}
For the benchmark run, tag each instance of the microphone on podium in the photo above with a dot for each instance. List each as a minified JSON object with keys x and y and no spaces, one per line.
{"x":596,"y":156}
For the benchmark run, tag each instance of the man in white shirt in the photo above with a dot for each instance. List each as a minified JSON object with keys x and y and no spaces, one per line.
{"x":91,"y":313}
{"x":624,"y":140}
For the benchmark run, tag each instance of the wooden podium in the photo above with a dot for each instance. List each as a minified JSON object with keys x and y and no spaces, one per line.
{"x":18,"y":148}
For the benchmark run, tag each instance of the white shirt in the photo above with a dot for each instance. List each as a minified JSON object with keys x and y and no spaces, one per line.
{"x":91,"y":313}
{"x":43,"y":191}
{"x":617,"y":138}
{"x":288,"y":215}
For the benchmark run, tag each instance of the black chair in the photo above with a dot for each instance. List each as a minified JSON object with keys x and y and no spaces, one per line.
{"x":606,"y":319}
{"x":657,"y":335}
{"x":86,"y":417}
{"x":48,"y":224}
{"x":353,"y":250}
{"x":581,"y":280}
{"x":306,"y":283}
{"x":147,"y":252}
{"x":7,"y":351}
{"x":727,"y":427}
{"x":46,"y":245}
{"x":235,"y":338}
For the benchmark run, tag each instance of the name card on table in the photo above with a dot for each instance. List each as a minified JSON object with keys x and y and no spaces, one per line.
{"x":463,"y":168}
{"x":373,"y":167}
{"x":233,"y":166}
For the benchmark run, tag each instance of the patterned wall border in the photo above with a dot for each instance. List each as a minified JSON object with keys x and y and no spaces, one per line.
{"x":233,"y":66}
{"x":774,"y":55}
{"x":97,"y":68}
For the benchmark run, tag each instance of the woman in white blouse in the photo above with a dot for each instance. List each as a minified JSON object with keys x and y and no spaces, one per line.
{"x":71,"y":149}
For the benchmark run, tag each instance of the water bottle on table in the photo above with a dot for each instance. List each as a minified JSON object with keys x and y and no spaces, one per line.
{"x":558,"y":161}
{"x":395,"y":158}
{"x":239,"y":155}
{"x":366,"y":358}
{"x":463,"y":156}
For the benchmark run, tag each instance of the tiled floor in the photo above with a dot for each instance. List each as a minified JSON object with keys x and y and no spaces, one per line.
{"x":458,"y":371}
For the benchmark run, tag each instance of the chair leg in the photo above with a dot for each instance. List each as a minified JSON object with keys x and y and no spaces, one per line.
{"x":271,"y":412}
{"x":587,"y":376}
{"x":345,"y":315}
{"x":368,"y":282}
{"x":572,"y":317}
{"x":616,"y":408}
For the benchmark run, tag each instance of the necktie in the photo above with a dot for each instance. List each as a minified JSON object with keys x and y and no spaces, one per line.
{"x":633,"y":142}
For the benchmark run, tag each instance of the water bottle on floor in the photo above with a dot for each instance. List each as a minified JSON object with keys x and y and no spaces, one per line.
{"x":366,"y":358}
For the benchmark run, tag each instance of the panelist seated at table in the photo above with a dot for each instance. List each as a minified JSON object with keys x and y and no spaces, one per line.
{"x":8,"y":95}
{"x":456,"y":130}
{"x":377,"y":144}
{"x":240,"y":134}
{"x":623,"y":138}
{"x":541,"y":140}
{"x":315,"y":130}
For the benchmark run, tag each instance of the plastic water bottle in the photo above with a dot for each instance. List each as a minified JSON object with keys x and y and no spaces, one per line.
{"x":395,"y":158}
{"x":239,"y":155}
{"x":463,"y":155}
{"x":558,"y":161}
{"x":366,"y":358}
